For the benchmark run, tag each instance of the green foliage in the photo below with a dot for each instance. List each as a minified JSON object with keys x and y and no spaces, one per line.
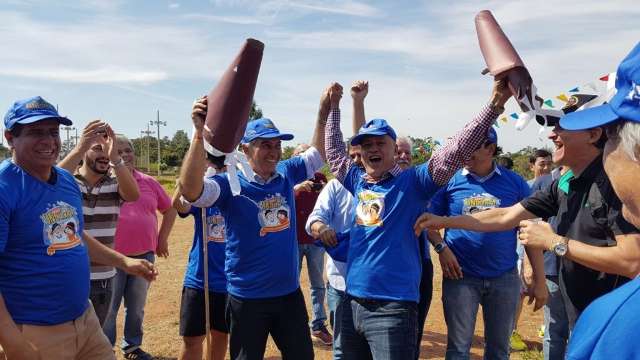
{"x":4,"y":152}
{"x":287,"y":152}
{"x":256,"y":112}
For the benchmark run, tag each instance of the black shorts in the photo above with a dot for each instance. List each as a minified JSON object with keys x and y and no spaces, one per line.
{"x":192,"y":314}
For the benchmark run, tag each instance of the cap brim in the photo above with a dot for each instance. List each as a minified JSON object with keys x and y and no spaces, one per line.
{"x":588,"y":118}
{"x":356,"y":140}
{"x":285,"y":137}
{"x":33,"y":119}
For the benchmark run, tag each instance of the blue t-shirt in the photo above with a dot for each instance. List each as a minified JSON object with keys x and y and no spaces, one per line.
{"x":607,"y":327}
{"x":384,"y":253}
{"x":44,"y":264}
{"x":481,"y":254}
{"x":216,"y":235}
{"x":262,"y":249}
{"x":550,"y":258}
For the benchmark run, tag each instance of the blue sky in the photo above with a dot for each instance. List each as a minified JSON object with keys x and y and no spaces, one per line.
{"x":122,"y":60}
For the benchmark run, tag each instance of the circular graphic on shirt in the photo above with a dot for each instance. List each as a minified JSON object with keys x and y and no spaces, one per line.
{"x":216,"y":228}
{"x":273,"y":214}
{"x":61,"y":226}
{"x":370,"y":208}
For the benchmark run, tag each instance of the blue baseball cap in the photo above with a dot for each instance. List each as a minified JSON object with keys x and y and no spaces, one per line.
{"x":492,"y":136}
{"x":263,"y":128}
{"x":374,"y":127}
{"x":625,"y":104}
{"x":33,"y":109}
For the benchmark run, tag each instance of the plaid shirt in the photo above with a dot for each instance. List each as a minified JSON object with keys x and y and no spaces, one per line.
{"x":444,"y":162}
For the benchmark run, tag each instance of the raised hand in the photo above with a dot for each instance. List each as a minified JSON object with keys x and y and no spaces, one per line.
{"x":335,"y":94}
{"x":92,"y":132}
{"x":359,"y":90}
{"x":199,"y":113}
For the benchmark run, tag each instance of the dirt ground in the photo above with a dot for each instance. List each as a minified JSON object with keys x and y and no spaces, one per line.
{"x":163,"y":304}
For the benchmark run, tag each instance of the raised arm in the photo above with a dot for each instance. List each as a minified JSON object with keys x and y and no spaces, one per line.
{"x":323,"y":112}
{"x":448,"y":159}
{"x":359,"y":91}
{"x":127,"y":184}
{"x":497,"y":219}
{"x":177,"y":202}
{"x":91,"y":132}
{"x":339,"y":161}
{"x":193,"y":166}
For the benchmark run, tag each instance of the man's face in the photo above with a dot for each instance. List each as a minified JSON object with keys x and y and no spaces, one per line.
{"x":97,"y":160}
{"x":378,"y":154}
{"x":264,"y":154}
{"x":541,"y":166}
{"x":480,"y":158}
{"x":403,"y":155}
{"x":572,"y":145}
{"x":624,"y":174}
{"x":355,"y":155}
{"x":38,"y":145}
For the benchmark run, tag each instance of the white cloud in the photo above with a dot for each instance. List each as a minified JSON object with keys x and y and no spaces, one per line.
{"x":103,"y":75}
{"x":174,"y":6}
{"x":352,"y":8}
{"x":240,"y":20}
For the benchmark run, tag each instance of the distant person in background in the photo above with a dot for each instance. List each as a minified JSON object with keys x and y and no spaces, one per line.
{"x":192,"y":303}
{"x":138,"y":236}
{"x":505,"y":162}
{"x":306,"y":193}
{"x":105,"y":184}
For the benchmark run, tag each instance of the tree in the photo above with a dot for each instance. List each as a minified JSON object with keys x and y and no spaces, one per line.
{"x":256,"y":112}
{"x":173,"y":154}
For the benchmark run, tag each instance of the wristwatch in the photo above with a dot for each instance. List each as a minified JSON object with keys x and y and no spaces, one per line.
{"x":439,"y":247}
{"x":561,"y":247}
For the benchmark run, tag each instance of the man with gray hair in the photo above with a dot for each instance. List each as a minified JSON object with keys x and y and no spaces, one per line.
{"x":404,"y":145}
{"x":605,"y":327}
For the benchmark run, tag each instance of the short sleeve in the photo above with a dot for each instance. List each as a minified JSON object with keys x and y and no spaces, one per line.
{"x":295,"y":169}
{"x":543,"y":203}
{"x":426,"y":185}
{"x":439,"y":205}
{"x":525,"y":189}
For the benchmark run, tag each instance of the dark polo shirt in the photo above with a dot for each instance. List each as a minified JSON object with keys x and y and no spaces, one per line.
{"x":587,"y":210}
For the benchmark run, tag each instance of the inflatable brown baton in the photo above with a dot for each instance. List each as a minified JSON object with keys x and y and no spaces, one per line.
{"x":503,"y":62}
{"x":229,"y":103}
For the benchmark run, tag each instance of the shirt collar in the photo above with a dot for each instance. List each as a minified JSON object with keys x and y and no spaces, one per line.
{"x":258,"y":179}
{"x":496,"y":170}
{"x":395,"y":171}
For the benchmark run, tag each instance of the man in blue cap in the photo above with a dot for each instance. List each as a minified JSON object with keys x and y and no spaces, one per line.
{"x":379,"y":316}
{"x":598,"y":249}
{"x":44,"y":252}
{"x":604,"y":329}
{"x":261,"y":248}
{"x":479,"y":268}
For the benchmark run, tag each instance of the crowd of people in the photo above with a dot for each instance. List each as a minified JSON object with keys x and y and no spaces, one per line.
{"x":80,"y":235}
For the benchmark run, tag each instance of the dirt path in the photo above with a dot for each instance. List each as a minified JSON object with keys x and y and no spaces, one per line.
{"x":162,"y":311}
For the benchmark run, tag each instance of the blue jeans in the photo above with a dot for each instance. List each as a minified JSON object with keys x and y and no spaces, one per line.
{"x":556,"y":324}
{"x":378,"y":329}
{"x":499,"y":298}
{"x":335,"y":297}
{"x":100,"y":296}
{"x":315,"y":268}
{"x":134,"y":290}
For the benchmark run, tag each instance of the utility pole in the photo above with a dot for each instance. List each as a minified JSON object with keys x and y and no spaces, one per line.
{"x":158,"y":123}
{"x":146,"y":135}
{"x":67,"y":129}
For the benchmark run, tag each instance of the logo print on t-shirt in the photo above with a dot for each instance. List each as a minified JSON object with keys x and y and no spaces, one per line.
{"x":216,"y":228}
{"x":479,"y":202}
{"x":273,"y":214}
{"x":370,"y":208}
{"x":60,"y":227}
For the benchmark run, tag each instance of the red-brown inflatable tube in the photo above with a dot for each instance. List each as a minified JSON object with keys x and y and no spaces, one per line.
{"x":496,"y":48}
{"x":229,"y":103}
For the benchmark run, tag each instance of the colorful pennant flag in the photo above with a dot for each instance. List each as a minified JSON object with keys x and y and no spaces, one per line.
{"x":605,"y":78}
{"x":575,"y":89}
{"x":514,"y":115}
{"x":503,"y":119}
{"x":549,"y":103}
{"x":562,"y":97}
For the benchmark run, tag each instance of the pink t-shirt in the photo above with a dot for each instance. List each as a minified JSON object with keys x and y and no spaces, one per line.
{"x":137,"y":230}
